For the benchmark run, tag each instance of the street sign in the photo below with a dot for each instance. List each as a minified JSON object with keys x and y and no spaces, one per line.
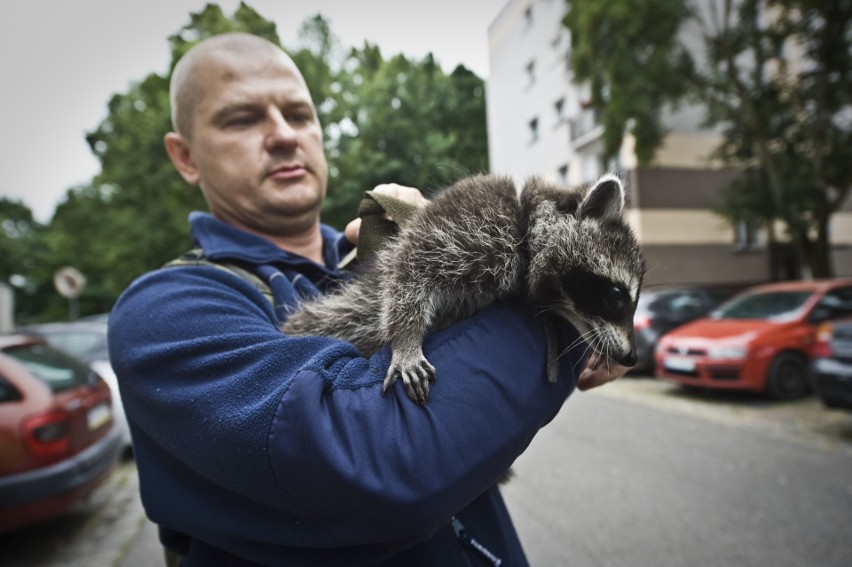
{"x":69,"y":282}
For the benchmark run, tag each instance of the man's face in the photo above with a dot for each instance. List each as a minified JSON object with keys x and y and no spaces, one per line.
{"x":256,"y":144}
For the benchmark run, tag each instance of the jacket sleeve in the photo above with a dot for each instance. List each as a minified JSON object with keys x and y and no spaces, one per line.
{"x":234,"y":417}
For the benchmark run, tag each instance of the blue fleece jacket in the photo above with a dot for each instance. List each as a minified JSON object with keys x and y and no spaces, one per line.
{"x":256,"y":448}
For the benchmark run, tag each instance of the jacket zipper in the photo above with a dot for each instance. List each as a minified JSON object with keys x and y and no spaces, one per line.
{"x":465,"y":538}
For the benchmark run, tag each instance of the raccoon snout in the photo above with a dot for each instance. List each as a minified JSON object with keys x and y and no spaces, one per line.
{"x":630,"y":359}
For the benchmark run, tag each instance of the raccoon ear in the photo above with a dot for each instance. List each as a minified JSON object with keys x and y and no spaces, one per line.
{"x":605,"y":200}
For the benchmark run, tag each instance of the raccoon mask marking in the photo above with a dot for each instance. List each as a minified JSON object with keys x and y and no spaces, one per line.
{"x":568,"y":251}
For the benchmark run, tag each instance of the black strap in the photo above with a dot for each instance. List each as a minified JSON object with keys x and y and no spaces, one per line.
{"x":196,"y":257}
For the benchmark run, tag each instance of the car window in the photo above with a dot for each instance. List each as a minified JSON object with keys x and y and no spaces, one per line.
{"x":8,"y":393}
{"x":838,"y":302}
{"x":687,"y":304}
{"x":717,"y":296}
{"x":673,"y":305}
{"x":775,"y":306}
{"x":652,"y":303}
{"x":56,"y":369}
{"x":78,"y":343}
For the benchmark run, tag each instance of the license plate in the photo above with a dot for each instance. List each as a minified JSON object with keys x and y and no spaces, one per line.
{"x":679,"y":363}
{"x":842,"y":351}
{"x":98,"y":416}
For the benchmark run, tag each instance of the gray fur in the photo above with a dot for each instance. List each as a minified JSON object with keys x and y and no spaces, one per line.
{"x":566,"y":251}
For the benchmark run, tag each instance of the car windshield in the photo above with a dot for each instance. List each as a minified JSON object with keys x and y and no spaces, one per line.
{"x":82,"y":344}
{"x":56,"y":369}
{"x":773,"y":305}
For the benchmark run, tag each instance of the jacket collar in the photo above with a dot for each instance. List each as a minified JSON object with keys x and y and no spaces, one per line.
{"x":223,"y":241}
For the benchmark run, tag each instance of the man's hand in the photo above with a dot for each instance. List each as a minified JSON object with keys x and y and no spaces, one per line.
{"x":401,"y":192}
{"x":598,"y":372}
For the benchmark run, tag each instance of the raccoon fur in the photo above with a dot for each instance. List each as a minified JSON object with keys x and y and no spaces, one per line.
{"x":566,"y":251}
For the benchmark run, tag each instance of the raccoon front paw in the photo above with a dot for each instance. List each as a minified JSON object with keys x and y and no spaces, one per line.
{"x":416,"y":375}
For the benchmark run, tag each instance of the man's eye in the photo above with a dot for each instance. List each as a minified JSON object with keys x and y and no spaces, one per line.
{"x":298,"y":117}
{"x":241,"y":121}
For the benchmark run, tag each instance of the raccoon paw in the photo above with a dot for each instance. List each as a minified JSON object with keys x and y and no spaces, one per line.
{"x":416,"y":375}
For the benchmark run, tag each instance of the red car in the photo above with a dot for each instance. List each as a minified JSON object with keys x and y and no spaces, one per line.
{"x":759,"y":341}
{"x":57,"y":439}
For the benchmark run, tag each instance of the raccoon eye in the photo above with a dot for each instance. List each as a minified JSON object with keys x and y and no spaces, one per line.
{"x":596,"y":296}
{"x":617,"y":297}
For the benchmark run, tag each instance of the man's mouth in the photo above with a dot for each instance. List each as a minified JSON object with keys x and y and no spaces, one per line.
{"x":287,"y":172}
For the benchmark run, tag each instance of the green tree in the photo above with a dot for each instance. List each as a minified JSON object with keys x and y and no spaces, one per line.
{"x":774,"y":75}
{"x":405,"y":122}
{"x":629,"y":54}
{"x":384,"y":121}
{"x":779,"y":81}
{"x":24,"y":265}
{"x":132,"y":216}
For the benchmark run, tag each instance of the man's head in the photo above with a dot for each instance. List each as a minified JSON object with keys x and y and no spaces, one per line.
{"x":246,"y":131}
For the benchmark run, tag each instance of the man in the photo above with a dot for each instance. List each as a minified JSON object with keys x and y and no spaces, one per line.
{"x":255,"y":448}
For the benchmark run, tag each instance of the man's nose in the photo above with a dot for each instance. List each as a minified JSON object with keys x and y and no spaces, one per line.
{"x":280,"y":132}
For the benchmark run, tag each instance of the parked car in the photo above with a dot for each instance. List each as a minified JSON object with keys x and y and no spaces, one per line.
{"x":759,"y":341}
{"x":58,"y":442}
{"x":831,"y":366}
{"x":662,"y":309}
{"x":86,"y":339}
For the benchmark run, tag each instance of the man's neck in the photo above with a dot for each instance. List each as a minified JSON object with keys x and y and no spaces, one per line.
{"x":307,"y":244}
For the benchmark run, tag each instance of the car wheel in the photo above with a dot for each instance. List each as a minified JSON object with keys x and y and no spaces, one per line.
{"x":788,"y":377}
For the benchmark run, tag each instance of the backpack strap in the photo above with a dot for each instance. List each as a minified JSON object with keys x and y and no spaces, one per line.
{"x":196,"y":257}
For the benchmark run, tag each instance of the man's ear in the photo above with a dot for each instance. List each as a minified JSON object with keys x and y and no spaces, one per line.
{"x":179,"y":153}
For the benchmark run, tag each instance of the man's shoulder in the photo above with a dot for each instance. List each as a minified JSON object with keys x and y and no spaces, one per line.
{"x":197,"y":257}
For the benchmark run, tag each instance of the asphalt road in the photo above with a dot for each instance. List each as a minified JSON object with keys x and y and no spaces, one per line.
{"x":638,"y":473}
{"x":644,"y":474}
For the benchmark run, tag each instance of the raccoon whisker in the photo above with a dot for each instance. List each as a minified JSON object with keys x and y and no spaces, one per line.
{"x":581,"y":358}
{"x":577,"y":341}
{"x":593,"y":338}
{"x":546,"y":308}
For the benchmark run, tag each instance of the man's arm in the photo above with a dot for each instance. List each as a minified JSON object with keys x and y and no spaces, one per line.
{"x":218,"y":397}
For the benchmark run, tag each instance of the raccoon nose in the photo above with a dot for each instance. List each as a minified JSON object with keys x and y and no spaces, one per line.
{"x":630,"y":359}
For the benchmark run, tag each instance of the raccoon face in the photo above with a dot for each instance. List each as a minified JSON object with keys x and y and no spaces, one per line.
{"x":602,"y":310}
{"x":586,"y":265}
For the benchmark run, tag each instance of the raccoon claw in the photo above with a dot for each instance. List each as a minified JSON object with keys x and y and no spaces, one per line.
{"x":416,"y":378}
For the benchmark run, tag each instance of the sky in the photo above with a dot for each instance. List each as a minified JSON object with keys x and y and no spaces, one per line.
{"x":62,"y":60}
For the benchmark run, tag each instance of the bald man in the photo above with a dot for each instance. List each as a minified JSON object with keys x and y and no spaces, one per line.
{"x":256,"y":448}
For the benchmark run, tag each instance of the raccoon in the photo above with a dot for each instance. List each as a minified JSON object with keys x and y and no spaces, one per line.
{"x":567,"y":251}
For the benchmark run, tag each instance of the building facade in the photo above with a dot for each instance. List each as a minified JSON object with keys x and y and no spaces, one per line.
{"x":540,"y":122}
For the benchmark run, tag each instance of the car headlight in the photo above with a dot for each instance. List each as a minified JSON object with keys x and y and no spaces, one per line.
{"x":727,"y":352}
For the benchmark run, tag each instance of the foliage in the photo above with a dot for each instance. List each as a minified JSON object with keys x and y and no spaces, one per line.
{"x":23,"y":264}
{"x":773,"y":75}
{"x":407,"y":123}
{"x":778,"y":79}
{"x":629,"y":53}
{"x":384,"y":121}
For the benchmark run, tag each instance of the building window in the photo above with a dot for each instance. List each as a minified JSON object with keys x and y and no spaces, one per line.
{"x":559,"y":109}
{"x":533,"y":124}
{"x":531,"y":72}
{"x":747,"y":236}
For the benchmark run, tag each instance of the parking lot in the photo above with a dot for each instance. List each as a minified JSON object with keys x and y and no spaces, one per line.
{"x":804,"y":420}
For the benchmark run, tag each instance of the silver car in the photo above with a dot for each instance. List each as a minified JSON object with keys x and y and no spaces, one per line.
{"x":831,"y":364}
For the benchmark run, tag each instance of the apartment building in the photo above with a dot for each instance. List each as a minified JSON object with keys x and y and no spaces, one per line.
{"x":540,"y":123}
